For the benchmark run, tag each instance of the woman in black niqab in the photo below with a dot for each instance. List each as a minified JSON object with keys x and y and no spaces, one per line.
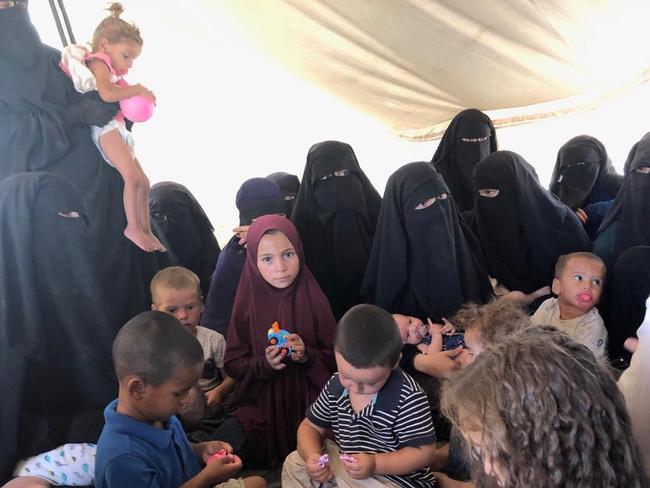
{"x":290,"y":185}
{"x":44,"y":126}
{"x":627,"y":219}
{"x":336,"y":213}
{"x":179,"y":222}
{"x":255,"y":197}
{"x":468,"y":139}
{"x":425,"y":261}
{"x":56,"y":329}
{"x":584,"y":178}
{"x":522,"y":227}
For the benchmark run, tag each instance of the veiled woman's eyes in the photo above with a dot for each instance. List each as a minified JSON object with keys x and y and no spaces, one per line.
{"x":643,"y":170}
{"x":430,"y":201}
{"x":474,"y":139}
{"x":488,"y":192}
{"x":69,"y":215}
{"x":338,"y":172}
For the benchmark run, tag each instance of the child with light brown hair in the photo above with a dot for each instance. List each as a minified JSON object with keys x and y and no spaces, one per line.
{"x":578,"y":284}
{"x":115,"y":46}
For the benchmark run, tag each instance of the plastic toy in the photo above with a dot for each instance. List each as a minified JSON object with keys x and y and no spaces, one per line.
{"x":348,"y":458}
{"x":138,"y":108}
{"x":218,"y":455}
{"x":323,"y":460}
{"x":278,"y":337}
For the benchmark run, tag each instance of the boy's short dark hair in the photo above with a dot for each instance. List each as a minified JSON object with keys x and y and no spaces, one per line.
{"x":565,"y":258}
{"x":367,"y":336}
{"x":151,"y":345}
{"x":176,"y":277}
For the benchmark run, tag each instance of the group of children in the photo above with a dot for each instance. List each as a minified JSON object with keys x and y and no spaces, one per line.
{"x":332,"y":406}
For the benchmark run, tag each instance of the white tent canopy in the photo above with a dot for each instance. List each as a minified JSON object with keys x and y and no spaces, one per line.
{"x":413,"y":64}
{"x":245,"y":87}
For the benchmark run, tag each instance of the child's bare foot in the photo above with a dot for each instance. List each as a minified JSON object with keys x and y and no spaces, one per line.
{"x":139,"y":238}
{"x":157,"y":245}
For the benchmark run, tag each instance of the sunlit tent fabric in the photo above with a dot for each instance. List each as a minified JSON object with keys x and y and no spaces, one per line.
{"x":413,"y":64}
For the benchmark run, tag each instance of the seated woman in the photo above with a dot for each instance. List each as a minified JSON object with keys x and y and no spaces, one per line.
{"x":179,"y":221}
{"x":523,"y":229}
{"x":584,"y":179}
{"x":56,"y":327}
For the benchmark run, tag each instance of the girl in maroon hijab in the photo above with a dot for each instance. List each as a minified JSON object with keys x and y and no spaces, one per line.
{"x":275,"y":385}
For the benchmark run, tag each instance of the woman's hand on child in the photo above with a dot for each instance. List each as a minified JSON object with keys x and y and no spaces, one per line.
{"x":213,"y":398}
{"x":437,"y":364}
{"x":274,"y":356}
{"x":317,"y":471}
{"x":362,"y":467}
{"x":582,"y":216}
{"x":298,"y":353}
{"x":242,"y":233}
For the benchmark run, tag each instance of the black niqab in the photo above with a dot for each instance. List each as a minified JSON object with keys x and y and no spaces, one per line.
{"x":468,"y":139}
{"x":180,"y":223}
{"x":336,"y":218}
{"x":630,"y":208}
{"x":584,"y":174}
{"x":44,"y":127}
{"x":424,"y":262}
{"x":524,"y":229}
{"x":256,"y":197}
{"x":290,"y":185}
{"x":56,"y":328}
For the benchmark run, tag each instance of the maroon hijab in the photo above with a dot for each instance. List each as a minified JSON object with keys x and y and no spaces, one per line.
{"x":271,"y":404}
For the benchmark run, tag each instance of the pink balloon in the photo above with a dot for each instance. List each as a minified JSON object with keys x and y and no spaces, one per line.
{"x":138,"y":108}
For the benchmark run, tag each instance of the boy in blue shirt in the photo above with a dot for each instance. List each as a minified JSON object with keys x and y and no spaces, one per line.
{"x":157,"y":362}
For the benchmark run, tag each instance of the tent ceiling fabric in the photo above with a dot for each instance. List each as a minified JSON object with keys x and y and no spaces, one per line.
{"x":413,"y":64}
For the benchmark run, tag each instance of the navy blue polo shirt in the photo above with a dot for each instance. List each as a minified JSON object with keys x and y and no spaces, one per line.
{"x":134,"y":453}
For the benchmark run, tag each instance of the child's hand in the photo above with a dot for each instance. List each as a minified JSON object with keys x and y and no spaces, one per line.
{"x":274,"y":356}
{"x":315,"y":471}
{"x":297,"y":348}
{"x":362,"y":465}
{"x":222,"y":469}
{"x":213,"y":398}
{"x":212,"y":447}
{"x":145,"y":92}
{"x":434,"y":328}
{"x":448,"y":327}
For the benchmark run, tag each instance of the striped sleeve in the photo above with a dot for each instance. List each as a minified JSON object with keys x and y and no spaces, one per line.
{"x":413,"y":425}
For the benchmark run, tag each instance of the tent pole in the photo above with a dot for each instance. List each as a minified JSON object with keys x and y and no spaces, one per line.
{"x":59,"y":27}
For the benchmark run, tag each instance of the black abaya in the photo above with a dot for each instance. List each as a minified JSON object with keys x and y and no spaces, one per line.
{"x":425,"y":262}
{"x":524,"y":228}
{"x":336,"y":214}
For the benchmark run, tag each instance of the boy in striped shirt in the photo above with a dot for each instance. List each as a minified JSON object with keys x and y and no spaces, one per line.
{"x":378,"y":414}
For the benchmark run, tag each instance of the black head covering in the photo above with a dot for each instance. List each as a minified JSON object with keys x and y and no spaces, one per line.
{"x":584,"y":174}
{"x":256,"y":197}
{"x":630,"y":208}
{"x":56,"y":329}
{"x":468,"y":139}
{"x":180,"y":223}
{"x":336,"y":218}
{"x":424,"y":262}
{"x":525,"y":228}
{"x":289,"y":184}
{"x":44,"y":127}
{"x":626,"y":294}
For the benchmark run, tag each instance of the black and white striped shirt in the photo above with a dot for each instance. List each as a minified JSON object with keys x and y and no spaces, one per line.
{"x":399,"y":416}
